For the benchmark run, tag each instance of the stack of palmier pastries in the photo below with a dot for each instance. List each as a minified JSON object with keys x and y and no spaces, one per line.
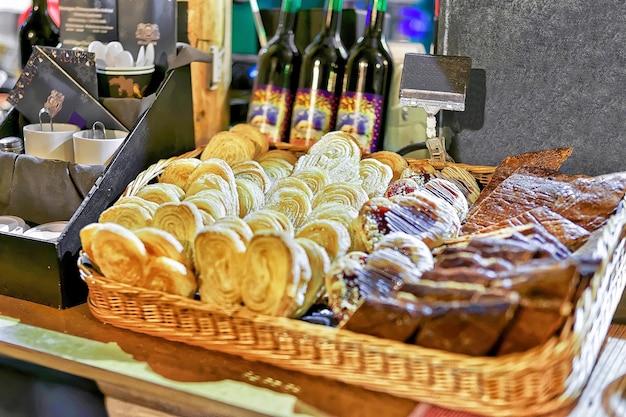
{"x":394,"y":248}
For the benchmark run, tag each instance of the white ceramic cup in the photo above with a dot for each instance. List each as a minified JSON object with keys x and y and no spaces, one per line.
{"x":90,"y":151}
{"x":39,"y":141}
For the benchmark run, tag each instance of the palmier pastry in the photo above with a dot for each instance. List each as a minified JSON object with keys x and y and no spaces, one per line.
{"x":183,"y":220}
{"x":278,"y":154}
{"x":177,"y":171}
{"x":119,"y":253}
{"x":86,"y":237}
{"x":410,"y":246}
{"x":218,"y":167}
{"x":253,"y":134}
{"x":275,"y":268}
{"x":448,"y":191}
{"x":130,"y":215}
{"x":320,"y":264}
{"x":292,"y":202}
{"x":253,"y":171}
{"x":250,"y":196}
{"x":151,"y":206}
{"x":337,"y":145}
{"x":346,"y":193}
{"x":158,"y":242}
{"x":237,"y":225}
{"x":331,"y":235}
{"x":402,"y":186}
{"x":209,"y":201}
{"x":219,"y":257}
{"x":314,"y":177}
{"x":213,"y":182}
{"x":277,"y":168}
{"x":339,"y":169}
{"x":269,"y":220}
{"x":229,"y":146}
{"x":342,"y":214}
{"x":168,"y":275}
{"x":464,"y":180}
{"x":395,"y":161}
{"x":293,"y":182}
{"x":375,"y":176}
{"x":161,"y":192}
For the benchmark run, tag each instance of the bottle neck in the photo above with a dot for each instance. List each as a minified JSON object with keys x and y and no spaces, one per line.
{"x":287,"y":17}
{"x":333,"y":16}
{"x":40,"y":6}
{"x":375,"y":18}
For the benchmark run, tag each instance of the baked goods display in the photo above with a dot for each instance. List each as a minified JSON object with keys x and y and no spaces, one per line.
{"x":394,"y":248}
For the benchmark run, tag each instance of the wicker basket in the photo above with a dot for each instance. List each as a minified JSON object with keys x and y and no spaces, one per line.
{"x":534,"y":382}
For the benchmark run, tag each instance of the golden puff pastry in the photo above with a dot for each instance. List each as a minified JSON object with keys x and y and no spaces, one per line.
{"x":346,"y":193}
{"x":168,"y":275}
{"x":253,"y":134}
{"x":375,"y":176}
{"x":183,"y":220}
{"x":218,"y":167}
{"x":151,"y":206}
{"x":395,"y":161}
{"x":343,"y":214}
{"x":292,"y":182}
{"x":215,"y":183}
{"x":158,"y":242}
{"x":86,"y":237}
{"x":209,"y":201}
{"x":177,"y":171}
{"x":292,"y":202}
{"x":161,"y":192}
{"x":277,"y":168}
{"x":276,"y":273}
{"x":269,"y":220}
{"x":337,"y":145}
{"x":219,"y":258}
{"x":118,"y":253}
{"x":130,"y":215}
{"x":237,"y":225}
{"x":250,"y":196}
{"x":229,"y":146}
{"x":278,"y":154}
{"x":314,"y":177}
{"x":329,"y":234}
{"x":253,"y":171}
{"x":320,"y":265}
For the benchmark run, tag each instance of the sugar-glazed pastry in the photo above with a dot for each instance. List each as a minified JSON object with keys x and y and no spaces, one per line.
{"x":269,"y":220}
{"x":448,"y":191}
{"x":346,"y":193}
{"x":151,"y":206}
{"x":314,"y":177}
{"x":320,"y":264}
{"x":221,"y":168}
{"x":177,"y":171}
{"x":277,"y":168}
{"x":293,"y":182}
{"x":395,"y":161}
{"x":168,"y":275}
{"x":237,"y":225}
{"x":375,"y":176}
{"x":86,"y":237}
{"x":229,"y":146}
{"x":421,"y":172}
{"x":253,"y":171}
{"x":415,"y":249}
{"x":253,"y":134}
{"x":292,"y":202}
{"x":274,"y":154}
{"x":130,"y":215}
{"x":276,"y":273}
{"x":464,"y":180}
{"x":161,"y":192}
{"x":331,"y":235}
{"x":337,"y":153}
{"x":118,"y":253}
{"x":183,"y":220}
{"x":219,"y":259}
{"x":213,"y":182}
{"x":210,"y":201}
{"x":158,"y":242}
{"x":250,"y":196}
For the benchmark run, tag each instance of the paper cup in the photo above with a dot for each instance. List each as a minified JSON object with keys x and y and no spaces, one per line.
{"x":46,"y":144}
{"x":90,"y":151}
{"x":131,"y":82}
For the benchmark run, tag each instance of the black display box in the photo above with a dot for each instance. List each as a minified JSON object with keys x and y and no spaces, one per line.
{"x":45,"y":272}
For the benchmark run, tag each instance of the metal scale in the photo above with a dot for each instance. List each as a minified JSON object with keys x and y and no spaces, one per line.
{"x":434,"y":83}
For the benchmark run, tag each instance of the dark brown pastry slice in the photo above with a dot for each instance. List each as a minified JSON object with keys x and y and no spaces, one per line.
{"x":429,"y":291}
{"x":570,"y":234}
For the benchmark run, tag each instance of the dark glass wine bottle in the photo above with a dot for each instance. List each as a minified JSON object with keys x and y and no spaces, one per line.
{"x":37,"y":29}
{"x":320,"y":83}
{"x":278,"y":66}
{"x":367,"y":80}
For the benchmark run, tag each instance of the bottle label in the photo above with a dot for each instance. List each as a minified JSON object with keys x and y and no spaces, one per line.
{"x":359,"y":114}
{"x":269,"y":111}
{"x":313,"y":115}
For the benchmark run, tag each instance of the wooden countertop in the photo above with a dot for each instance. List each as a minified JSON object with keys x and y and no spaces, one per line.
{"x":190,"y":381}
